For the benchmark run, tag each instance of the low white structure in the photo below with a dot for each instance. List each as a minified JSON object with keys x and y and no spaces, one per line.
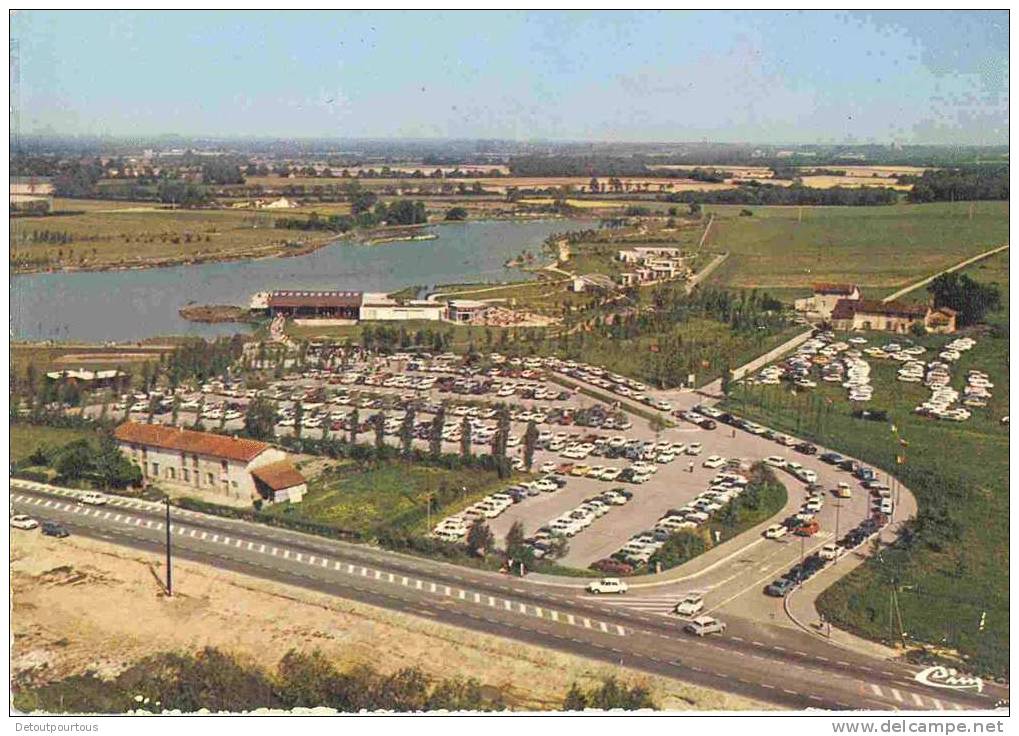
{"x":824,"y":299}
{"x":382,"y":308}
{"x":210,"y":462}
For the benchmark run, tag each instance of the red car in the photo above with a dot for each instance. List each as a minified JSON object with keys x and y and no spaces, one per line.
{"x":608,"y":565}
{"x":807,"y":530}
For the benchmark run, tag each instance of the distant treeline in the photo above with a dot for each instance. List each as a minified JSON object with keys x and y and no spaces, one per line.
{"x":950,"y":185}
{"x":401,"y":212}
{"x":754,"y":193}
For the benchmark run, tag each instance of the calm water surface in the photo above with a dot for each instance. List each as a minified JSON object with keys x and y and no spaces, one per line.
{"x":131,"y":305}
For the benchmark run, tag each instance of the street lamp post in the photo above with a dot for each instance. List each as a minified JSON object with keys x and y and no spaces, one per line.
{"x":169,"y":569}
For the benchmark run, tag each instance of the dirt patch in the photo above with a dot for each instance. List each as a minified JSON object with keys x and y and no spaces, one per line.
{"x":114,"y":613}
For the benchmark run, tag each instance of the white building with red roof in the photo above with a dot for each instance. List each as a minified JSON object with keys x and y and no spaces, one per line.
{"x":239,"y":470}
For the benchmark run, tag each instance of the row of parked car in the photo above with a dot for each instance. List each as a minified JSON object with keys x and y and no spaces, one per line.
{"x":543,"y":542}
{"x":723,"y":489}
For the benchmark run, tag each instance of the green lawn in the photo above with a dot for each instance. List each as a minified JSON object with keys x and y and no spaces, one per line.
{"x":880,"y":248}
{"x":959,"y":474}
{"x":388,"y":495}
{"x":27,"y":438}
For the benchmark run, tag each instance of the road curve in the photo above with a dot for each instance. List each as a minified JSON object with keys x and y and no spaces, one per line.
{"x":780,"y":666}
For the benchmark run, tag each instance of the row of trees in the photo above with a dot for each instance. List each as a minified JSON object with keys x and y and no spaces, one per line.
{"x":953,"y":185}
{"x":755,"y":193}
{"x":216,"y":681}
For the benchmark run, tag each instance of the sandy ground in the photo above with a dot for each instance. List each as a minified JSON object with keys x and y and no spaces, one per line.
{"x":80,"y":604}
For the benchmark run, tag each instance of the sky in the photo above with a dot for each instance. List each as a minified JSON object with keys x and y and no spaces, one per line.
{"x":760,"y":77}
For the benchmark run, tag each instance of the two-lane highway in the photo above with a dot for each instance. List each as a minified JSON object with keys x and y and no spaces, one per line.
{"x":779,"y":666}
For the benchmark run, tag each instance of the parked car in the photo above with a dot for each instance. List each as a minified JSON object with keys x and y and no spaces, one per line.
{"x":831,"y":551}
{"x":779,"y":588}
{"x":613,"y":566}
{"x":713,"y":461}
{"x":53,"y":529}
{"x":775,"y":531}
{"x":704,"y":626}
{"x":607,"y":585}
{"x":92,"y":498}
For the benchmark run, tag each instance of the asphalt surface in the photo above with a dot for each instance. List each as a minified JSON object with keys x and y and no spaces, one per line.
{"x":770,"y":663}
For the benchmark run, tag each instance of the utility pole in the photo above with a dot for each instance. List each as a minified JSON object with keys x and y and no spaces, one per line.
{"x":838,"y":508}
{"x":169,"y":573}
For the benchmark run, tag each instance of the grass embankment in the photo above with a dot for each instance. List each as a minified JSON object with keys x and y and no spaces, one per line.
{"x":127,"y":236}
{"x":956,"y":568}
{"x":879,"y":248}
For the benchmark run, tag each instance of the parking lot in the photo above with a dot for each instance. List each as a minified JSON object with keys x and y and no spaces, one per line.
{"x":330,"y":395}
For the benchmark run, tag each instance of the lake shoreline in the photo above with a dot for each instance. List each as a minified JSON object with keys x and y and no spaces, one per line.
{"x":375,"y":236}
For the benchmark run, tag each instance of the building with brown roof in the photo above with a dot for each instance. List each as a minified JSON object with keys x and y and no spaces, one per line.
{"x":315,"y":304}
{"x":279,"y":481}
{"x":865,"y":314}
{"x":203,"y":462}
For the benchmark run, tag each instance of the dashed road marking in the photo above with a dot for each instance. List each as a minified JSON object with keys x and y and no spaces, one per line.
{"x":896,"y":694}
{"x":876,"y":689}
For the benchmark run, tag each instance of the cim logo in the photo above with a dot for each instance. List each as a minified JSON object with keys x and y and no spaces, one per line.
{"x":947,"y":677}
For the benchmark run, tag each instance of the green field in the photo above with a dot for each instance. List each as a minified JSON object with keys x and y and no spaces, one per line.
{"x":122,"y":235}
{"x":879,"y":248}
{"x":387,"y":495}
{"x":959,"y":474}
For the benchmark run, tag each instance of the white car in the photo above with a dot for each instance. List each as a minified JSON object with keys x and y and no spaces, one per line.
{"x":21,"y":521}
{"x":775,"y":531}
{"x":714,"y":461}
{"x":607,"y":585}
{"x":92,"y":498}
{"x":775,"y":461}
{"x":691,"y":605}
{"x":694,"y":448}
{"x":548,"y":468}
{"x":831,"y":551}
{"x":705,"y":625}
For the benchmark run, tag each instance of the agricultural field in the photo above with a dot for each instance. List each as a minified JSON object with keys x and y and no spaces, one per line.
{"x":879,"y":248}
{"x":366,"y":498}
{"x":944,"y":581}
{"x":123,"y":237}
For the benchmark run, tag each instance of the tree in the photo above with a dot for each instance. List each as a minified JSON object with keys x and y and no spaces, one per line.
{"x":260,"y":419}
{"x":480,"y":539}
{"x":465,"y":438}
{"x":456,"y":214}
{"x":355,"y":421}
{"x":971,"y":299}
{"x":530,"y":444}
{"x":298,"y":417}
{"x":379,"y":424}
{"x":174,"y":415}
{"x":111,"y":468}
{"x":407,"y":431}
{"x":657,"y":424}
{"x":435,"y":432}
{"x":75,"y":460}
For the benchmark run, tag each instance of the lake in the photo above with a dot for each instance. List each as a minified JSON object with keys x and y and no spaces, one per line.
{"x":131,"y":305}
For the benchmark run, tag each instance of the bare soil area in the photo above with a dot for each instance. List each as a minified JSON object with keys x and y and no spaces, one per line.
{"x":80,"y":604}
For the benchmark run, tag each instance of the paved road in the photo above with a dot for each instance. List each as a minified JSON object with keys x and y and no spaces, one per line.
{"x":956,"y":267}
{"x":776,"y":665}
